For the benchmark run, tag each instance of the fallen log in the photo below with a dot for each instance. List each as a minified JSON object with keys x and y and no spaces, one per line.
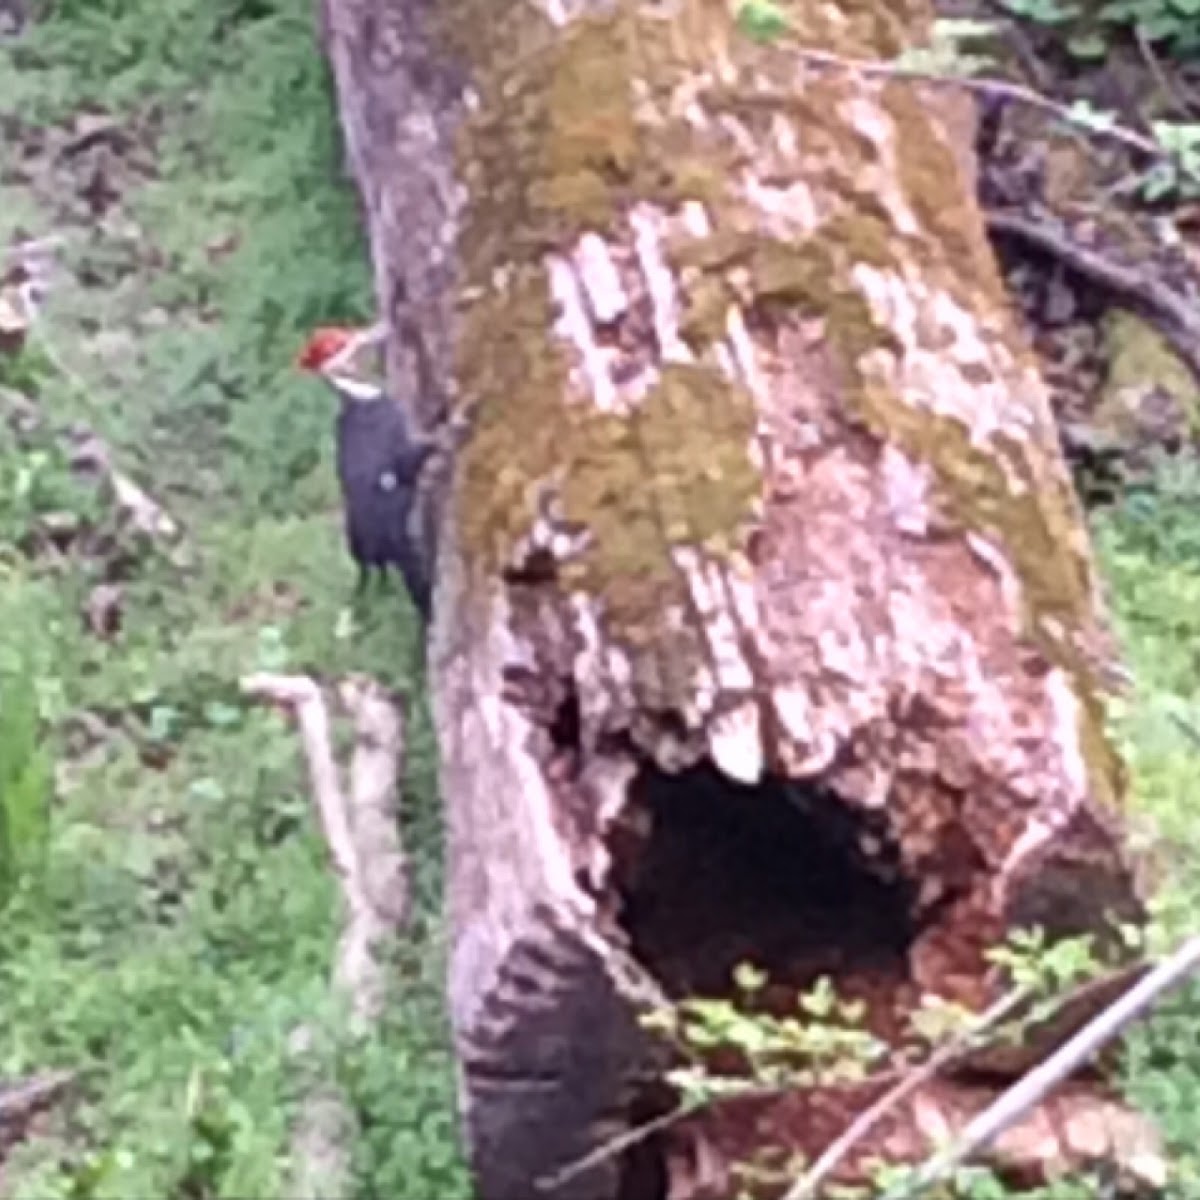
{"x":766,"y":625}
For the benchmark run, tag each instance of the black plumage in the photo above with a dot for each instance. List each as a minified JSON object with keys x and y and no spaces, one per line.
{"x":379,"y":469}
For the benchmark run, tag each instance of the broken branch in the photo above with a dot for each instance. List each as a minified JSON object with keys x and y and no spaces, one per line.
{"x":301,"y":698}
{"x":1179,"y":320}
{"x":360,"y":823}
{"x":1034,"y":1087}
{"x":999,"y":89}
{"x":810,"y":1184}
{"x":20,"y":1101}
{"x":137,"y":508}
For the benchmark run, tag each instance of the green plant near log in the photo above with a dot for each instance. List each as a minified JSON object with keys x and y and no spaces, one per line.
{"x":1090,"y":28}
{"x":25,"y":780}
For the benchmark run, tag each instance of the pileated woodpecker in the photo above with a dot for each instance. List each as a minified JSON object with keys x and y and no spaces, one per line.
{"x":379,"y":464}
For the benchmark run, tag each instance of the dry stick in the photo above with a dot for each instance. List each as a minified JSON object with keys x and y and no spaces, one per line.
{"x":1165,"y":83}
{"x":1034,"y":1087}
{"x":615,"y":1146}
{"x":19,"y":1101}
{"x":324,"y":1124}
{"x":300,"y":696}
{"x":1021,"y":43}
{"x":31,"y":247}
{"x":1180,"y":320}
{"x":1186,"y":728}
{"x":144,"y":515}
{"x":833,"y":1155}
{"x":381,"y":864}
{"x":361,"y":831}
{"x":998,"y":88}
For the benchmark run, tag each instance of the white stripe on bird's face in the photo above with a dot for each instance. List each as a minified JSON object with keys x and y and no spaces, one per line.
{"x":339,"y":370}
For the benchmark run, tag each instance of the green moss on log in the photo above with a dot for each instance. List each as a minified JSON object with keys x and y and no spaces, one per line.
{"x":673,"y":472}
{"x":577,"y":124}
{"x":573,"y":126}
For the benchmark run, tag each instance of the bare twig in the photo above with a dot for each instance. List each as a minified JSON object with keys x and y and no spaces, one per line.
{"x":905,"y":1084}
{"x":1179,"y":320}
{"x":1000,"y":89}
{"x":615,"y":1146}
{"x":19,"y":310}
{"x":1165,"y":84}
{"x":638,"y":1133}
{"x":1021,"y":43}
{"x":140,"y":511}
{"x":19,"y":1101}
{"x":32,"y":247}
{"x":16,"y":316}
{"x":858,"y":1129}
{"x":1034,"y":1087}
{"x":1186,"y":728}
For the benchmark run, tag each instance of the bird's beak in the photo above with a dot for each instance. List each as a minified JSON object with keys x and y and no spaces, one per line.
{"x":375,"y":335}
{"x":365,"y":339}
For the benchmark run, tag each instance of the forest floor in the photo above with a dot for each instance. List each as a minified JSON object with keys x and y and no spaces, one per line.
{"x":178,"y":925}
{"x":182,"y":154}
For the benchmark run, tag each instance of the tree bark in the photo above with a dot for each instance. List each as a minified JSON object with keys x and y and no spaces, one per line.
{"x":766,"y":625}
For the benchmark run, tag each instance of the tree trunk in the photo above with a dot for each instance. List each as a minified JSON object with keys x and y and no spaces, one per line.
{"x":766,"y":624}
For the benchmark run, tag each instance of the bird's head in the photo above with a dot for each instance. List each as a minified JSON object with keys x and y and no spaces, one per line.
{"x":330,"y":352}
{"x":325,"y":344}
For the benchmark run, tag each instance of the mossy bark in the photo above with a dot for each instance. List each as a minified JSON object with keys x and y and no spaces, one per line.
{"x":760,"y":478}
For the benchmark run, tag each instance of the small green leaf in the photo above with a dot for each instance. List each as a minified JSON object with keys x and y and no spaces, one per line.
{"x":748,"y":977}
{"x":762,"y":20}
{"x":1089,"y":47}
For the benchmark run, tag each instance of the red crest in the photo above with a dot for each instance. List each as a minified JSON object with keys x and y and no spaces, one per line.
{"x":324,"y":344}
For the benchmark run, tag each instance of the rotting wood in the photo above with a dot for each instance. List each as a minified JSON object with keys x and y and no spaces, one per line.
{"x":766,"y":625}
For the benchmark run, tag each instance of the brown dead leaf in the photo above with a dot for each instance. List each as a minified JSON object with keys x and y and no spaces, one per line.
{"x":104,"y":610}
{"x":92,"y":129}
{"x":222,"y":247}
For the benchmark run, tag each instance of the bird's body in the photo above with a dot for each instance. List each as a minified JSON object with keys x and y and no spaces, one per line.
{"x":379,"y":467}
{"x":378,"y":470}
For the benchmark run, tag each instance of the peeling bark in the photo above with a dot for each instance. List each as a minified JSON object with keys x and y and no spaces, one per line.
{"x":766,"y":624}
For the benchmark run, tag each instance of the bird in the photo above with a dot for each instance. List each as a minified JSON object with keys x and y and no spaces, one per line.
{"x":379,"y":464}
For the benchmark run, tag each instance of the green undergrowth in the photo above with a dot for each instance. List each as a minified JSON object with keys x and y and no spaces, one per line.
{"x":1150,"y":549}
{"x":168,"y":918}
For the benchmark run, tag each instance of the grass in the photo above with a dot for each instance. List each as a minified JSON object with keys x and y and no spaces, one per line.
{"x":171,"y":925}
{"x":1150,"y":548}
{"x":178,"y":923}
